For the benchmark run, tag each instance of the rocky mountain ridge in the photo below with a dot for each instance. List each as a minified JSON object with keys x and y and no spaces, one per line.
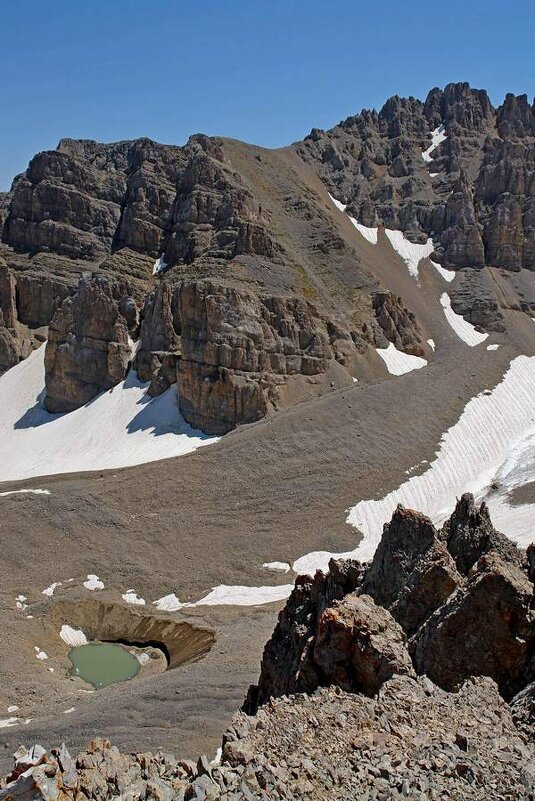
{"x":412,"y":677}
{"x":250,"y":292}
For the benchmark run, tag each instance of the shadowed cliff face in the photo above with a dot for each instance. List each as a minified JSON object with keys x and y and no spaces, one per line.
{"x":250,"y":290}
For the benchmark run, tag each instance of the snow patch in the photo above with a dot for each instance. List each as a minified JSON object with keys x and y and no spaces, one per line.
{"x":40,"y":654}
{"x":368,"y":233}
{"x":12,"y":708}
{"x":283,"y":567}
{"x":49,"y":591}
{"x":411,"y":252}
{"x":131,"y":597}
{"x":237,"y":595}
{"x":160,"y":265}
{"x":5,"y":723}
{"x":119,"y":428}
{"x":169,"y":603}
{"x":463,"y":329}
{"x":492,"y":347}
{"x":143,"y":658}
{"x":93,"y":582}
{"x":73,"y":637}
{"x":431,"y":343}
{"x":397,"y":362}
{"x":337,"y":203}
{"x":447,"y":275}
{"x":437,"y":137}
{"x":69,"y":711}
{"x":21,"y":491}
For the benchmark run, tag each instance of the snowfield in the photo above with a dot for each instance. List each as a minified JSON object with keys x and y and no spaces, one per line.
{"x":397,"y":362}
{"x":462,"y":328}
{"x":119,"y":428}
{"x":489,"y":451}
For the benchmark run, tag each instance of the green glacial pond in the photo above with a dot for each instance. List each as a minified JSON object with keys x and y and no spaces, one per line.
{"x":103,"y":663}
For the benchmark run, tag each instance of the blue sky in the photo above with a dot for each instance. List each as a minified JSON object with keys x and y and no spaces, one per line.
{"x":265,"y":72}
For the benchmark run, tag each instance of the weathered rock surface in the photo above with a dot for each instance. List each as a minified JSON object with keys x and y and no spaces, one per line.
{"x":461,"y":594}
{"x":472,"y":193}
{"x":236,"y":347}
{"x":412,"y":740}
{"x":485,"y":628}
{"x":398,"y":324}
{"x":269,"y":287}
{"x":358,"y":646}
{"x":469,"y":534}
{"x":88,"y":348}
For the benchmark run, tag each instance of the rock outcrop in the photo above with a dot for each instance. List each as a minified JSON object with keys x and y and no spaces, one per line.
{"x":244,"y":280}
{"x":468,"y":188}
{"x":88,"y":348}
{"x":237,"y":347}
{"x":398,"y":324}
{"x":462,"y":595}
{"x":485,"y":629}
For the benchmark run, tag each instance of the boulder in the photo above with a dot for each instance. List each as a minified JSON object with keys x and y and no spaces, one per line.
{"x":358,"y":646}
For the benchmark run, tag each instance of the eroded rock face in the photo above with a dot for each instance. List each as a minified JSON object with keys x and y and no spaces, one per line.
{"x":463,"y":619}
{"x":399,"y":325}
{"x":485,"y":628}
{"x":473,"y":193}
{"x":88,"y":348}
{"x":406,"y":539}
{"x":469,"y":534}
{"x":287,"y":664}
{"x":359,"y":646}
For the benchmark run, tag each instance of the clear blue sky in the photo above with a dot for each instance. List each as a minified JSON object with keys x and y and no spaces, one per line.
{"x":265,"y":72}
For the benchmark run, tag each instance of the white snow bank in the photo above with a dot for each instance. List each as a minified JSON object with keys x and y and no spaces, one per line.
{"x":492,"y":444}
{"x":411,"y":252}
{"x":229,"y":595}
{"x":39,"y":653}
{"x":169,"y":603}
{"x":131,"y":597}
{"x":447,"y":275}
{"x":244,"y":596}
{"x":397,"y":362}
{"x":5,"y":723}
{"x":160,"y":265}
{"x":337,"y":203}
{"x":49,"y":591}
{"x":437,"y":137}
{"x":431,"y":343}
{"x":492,"y":347}
{"x":12,"y":708}
{"x":93,"y":582}
{"x":462,"y":328}
{"x":368,"y":233}
{"x":283,"y":567}
{"x":21,"y":491}
{"x":121,"y":427}
{"x":73,"y":637}
{"x":69,"y":711}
